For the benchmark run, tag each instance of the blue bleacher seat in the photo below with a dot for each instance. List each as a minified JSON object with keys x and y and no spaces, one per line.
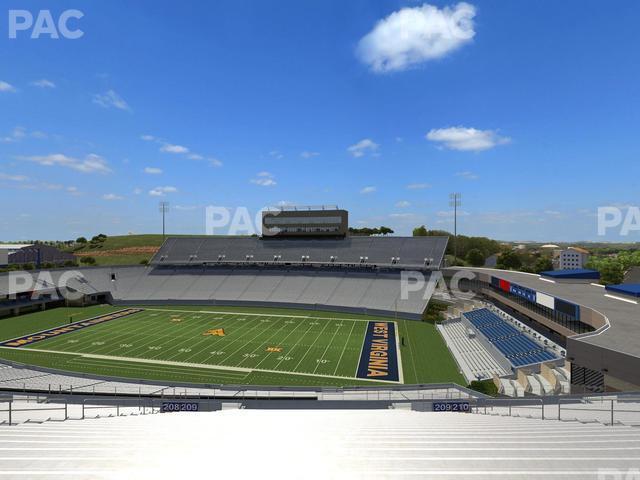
{"x":518,"y":348}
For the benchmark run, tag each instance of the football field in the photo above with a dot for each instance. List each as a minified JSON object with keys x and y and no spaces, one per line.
{"x":206,"y":345}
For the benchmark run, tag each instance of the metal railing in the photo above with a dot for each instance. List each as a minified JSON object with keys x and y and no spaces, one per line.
{"x":606,"y":409}
{"x":121,"y":407}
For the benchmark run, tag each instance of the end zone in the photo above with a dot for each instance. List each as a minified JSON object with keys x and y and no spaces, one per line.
{"x":379,"y":357}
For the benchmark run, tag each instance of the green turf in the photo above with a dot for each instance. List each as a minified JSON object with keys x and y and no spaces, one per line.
{"x":318,"y":348}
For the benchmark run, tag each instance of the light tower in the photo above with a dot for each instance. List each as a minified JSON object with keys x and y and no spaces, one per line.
{"x":164,"y":209}
{"x":455,"y":201}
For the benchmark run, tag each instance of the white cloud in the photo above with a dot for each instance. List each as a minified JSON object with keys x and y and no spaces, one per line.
{"x":186,"y":208}
{"x":214,"y":162}
{"x":467,"y":175}
{"x":362,"y":147}
{"x":195,"y":156}
{"x":13,"y":178}
{"x":6,"y":87}
{"x":137,"y":191}
{"x":92,"y":163}
{"x":402,"y":215}
{"x":43,"y":83}
{"x":20,"y":133}
{"x":153,"y":170}
{"x":168,"y":148}
{"x":147,"y":138}
{"x":466,"y":139}
{"x":418,"y":186}
{"x":111,"y":197}
{"x":450,"y":213}
{"x":415,"y":35}
{"x":162,"y":191}
{"x":276,"y":154}
{"x":403,"y":204}
{"x":367,"y":190}
{"x":110,"y":99}
{"x":306,"y":154}
{"x":265,"y":179}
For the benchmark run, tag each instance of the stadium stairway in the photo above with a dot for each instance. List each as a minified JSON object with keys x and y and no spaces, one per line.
{"x":317,"y":444}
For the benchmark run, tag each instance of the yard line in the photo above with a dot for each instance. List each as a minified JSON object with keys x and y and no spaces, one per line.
{"x":86,"y":335}
{"x":267,"y":340}
{"x":297,"y":343}
{"x":327,"y":348}
{"x":312,"y":345}
{"x":243,"y":345}
{"x":283,"y":341}
{"x":344,"y":348}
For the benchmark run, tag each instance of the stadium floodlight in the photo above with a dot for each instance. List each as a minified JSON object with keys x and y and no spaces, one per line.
{"x":164,"y":209}
{"x":455,"y":201}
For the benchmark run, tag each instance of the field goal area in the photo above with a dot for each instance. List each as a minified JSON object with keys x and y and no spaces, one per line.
{"x":366,"y":350}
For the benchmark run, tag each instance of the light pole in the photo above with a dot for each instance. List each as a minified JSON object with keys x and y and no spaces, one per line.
{"x":455,"y":201}
{"x":164,"y":209}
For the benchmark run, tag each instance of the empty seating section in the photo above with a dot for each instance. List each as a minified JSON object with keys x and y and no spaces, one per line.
{"x":473,"y":358}
{"x":513,"y":344}
{"x":398,"y":251}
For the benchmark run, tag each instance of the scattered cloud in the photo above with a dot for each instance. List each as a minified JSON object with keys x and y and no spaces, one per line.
{"x":363,"y":147}
{"x":467,"y":175}
{"x":403,"y":204}
{"x":264,"y":179}
{"x":162,"y":191}
{"x":402,"y":215}
{"x":168,"y":148}
{"x":466,"y":139}
{"x":13,"y":178}
{"x":6,"y":87}
{"x":20,"y":133}
{"x":187,"y":208}
{"x":276,"y":154}
{"x":147,"y":138}
{"x":153,"y":170}
{"x":112,"y":197}
{"x":367,"y":190}
{"x":418,"y":186}
{"x":214,"y":162}
{"x":92,"y":163}
{"x":195,"y":156}
{"x":110,"y":99}
{"x":137,"y":191}
{"x":43,"y":83}
{"x":411,"y":36}
{"x":306,"y":154}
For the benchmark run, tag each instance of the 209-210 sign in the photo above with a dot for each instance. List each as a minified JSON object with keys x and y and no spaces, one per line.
{"x":463,"y":407}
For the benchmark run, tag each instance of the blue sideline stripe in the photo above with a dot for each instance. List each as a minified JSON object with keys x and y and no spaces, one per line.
{"x":379,"y":357}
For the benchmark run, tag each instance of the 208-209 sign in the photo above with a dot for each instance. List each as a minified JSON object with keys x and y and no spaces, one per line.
{"x":180,"y":407}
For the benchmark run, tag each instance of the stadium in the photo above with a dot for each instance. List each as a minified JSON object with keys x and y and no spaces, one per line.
{"x":304,"y":318}
{"x":179,"y":300}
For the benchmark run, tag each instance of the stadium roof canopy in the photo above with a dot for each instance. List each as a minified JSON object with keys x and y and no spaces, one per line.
{"x":400,"y":252}
{"x":632,"y":289}
{"x":580,"y":274}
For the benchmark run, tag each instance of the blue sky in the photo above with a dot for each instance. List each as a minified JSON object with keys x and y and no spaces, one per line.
{"x":530,"y":109}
